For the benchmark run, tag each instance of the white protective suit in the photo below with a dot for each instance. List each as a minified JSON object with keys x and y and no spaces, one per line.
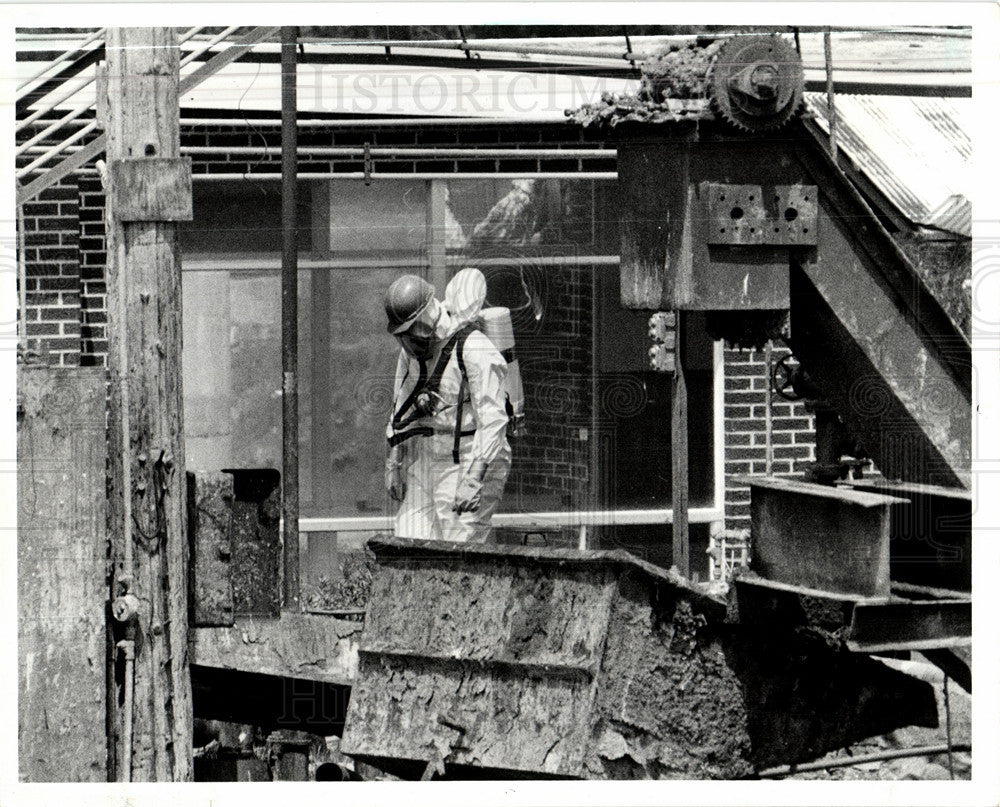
{"x":431,"y":475}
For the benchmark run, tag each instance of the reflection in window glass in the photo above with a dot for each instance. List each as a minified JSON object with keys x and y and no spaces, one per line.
{"x":598,"y":419}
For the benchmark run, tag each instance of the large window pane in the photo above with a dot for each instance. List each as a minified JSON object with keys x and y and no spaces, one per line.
{"x":598,"y":419}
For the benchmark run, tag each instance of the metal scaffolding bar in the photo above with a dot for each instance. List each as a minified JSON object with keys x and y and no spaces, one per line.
{"x":97,"y":145}
{"x":69,"y":116}
{"x":52,"y":152}
{"x":50,"y":107}
{"x":191,"y":32}
{"x":65,"y":56}
{"x":403,"y":151}
{"x":289,"y":324}
{"x":208,"y":45}
{"x":600,"y":175}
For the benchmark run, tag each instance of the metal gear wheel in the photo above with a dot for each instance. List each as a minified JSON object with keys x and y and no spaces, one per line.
{"x":756,"y":82}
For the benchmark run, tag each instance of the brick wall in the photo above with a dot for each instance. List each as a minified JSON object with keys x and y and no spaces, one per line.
{"x":556,"y":371}
{"x":792,"y":436}
{"x":93,"y":294}
{"x":52,"y":274}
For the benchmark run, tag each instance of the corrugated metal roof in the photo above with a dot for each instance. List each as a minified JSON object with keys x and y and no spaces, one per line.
{"x":915,"y":150}
{"x":955,"y":216}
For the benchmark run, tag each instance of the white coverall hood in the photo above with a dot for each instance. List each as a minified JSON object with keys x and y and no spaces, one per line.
{"x":465,"y":296}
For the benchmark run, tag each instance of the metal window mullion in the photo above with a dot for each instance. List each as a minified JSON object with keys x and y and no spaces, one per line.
{"x":321,"y":368}
{"x":411,"y":152}
{"x":355,"y":175}
{"x":542,"y":520}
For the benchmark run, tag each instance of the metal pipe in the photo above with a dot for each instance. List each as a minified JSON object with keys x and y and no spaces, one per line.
{"x":845,"y":762}
{"x":598,"y":175}
{"x":402,"y":151}
{"x":58,"y":149}
{"x":208,"y":45}
{"x":127,"y":646}
{"x":58,"y":60}
{"x":289,"y":322}
{"x":768,"y":423}
{"x":831,"y":108}
{"x":947,"y":725}
{"x":355,"y":123}
{"x":73,"y":114}
{"x":191,"y":32}
{"x":498,"y":47}
{"x":50,"y":107}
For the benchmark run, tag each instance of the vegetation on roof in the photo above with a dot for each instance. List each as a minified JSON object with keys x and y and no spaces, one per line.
{"x":673,"y":86}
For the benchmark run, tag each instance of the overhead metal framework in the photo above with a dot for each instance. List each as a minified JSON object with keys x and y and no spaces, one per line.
{"x":937,"y":68}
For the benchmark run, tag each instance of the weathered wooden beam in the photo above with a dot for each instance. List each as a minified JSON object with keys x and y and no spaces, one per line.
{"x":152,"y":189}
{"x":147,"y":497}
{"x":61,"y":557}
{"x":307,"y":646}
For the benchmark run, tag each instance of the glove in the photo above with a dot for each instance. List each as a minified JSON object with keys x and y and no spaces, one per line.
{"x":470,"y":489}
{"x":395,"y":482}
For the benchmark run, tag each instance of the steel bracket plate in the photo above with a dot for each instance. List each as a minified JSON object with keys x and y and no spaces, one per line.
{"x":821,"y":537}
{"x":746,"y":215}
{"x":910,"y":625}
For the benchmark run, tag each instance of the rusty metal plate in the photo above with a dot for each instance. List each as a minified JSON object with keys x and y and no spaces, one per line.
{"x":256,"y":541}
{"x":210,"y":508}
{"x":820,"y":537}
{"x":775,"y":215}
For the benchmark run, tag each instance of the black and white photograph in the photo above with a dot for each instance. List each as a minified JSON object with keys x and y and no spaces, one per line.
{"x":494,"y":396}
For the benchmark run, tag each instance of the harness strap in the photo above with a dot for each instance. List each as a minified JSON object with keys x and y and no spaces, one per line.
{"x":432,"y":384}
{"x":421,"y":431}
{"x":411,"y":398}
{"x":458,"y":417}
{"x":402,"y":437}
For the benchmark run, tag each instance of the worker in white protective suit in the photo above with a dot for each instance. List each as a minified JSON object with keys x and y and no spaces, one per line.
{"x":448,"y":452}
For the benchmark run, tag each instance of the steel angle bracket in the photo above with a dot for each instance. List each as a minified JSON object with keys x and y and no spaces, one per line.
{"x":910,"y":625}
{"x":867,"y":624}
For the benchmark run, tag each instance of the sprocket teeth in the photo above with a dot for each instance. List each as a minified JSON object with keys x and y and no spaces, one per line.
{"x":733,"y":58}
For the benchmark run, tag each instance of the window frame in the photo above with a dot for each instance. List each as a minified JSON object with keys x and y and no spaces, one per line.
{"x":436,"y":263}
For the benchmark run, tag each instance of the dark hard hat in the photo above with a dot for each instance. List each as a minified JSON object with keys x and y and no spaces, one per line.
{"x":405,"y":300}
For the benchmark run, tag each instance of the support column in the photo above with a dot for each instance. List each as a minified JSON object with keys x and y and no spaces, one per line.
{"x":148,"y":191}
{"x":289,"y":323}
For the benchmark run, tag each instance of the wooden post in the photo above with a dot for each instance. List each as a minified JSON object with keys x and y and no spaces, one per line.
{"x":148,"y":190}
{"x":679,"y":454}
